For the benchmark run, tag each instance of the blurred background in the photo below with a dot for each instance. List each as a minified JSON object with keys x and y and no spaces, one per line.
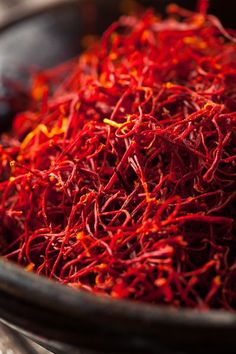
{"x":9,"y":8}
{"x":13,"y":8}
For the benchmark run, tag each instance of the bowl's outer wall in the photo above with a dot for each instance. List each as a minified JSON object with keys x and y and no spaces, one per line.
{"x":53,"y":311}
{"x":45,"y":40}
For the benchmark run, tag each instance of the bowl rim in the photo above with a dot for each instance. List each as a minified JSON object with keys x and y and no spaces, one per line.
{"x":50,"y":295}
{"x":24,"y":11}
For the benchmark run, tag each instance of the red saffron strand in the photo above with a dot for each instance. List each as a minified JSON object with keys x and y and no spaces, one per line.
{"x":120,"y":177}
{"x":203,"y":6}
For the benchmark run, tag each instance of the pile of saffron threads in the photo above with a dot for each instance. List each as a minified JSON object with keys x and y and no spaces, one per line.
{"x":120,"y":178}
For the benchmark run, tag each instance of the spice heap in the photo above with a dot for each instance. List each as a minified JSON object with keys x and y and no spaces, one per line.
{"x":120,"y":178}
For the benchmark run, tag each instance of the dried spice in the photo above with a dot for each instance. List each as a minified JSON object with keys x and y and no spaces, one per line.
{"x":120,"y":178}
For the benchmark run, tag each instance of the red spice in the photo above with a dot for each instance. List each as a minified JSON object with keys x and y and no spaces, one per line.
{"x":120,"y":177}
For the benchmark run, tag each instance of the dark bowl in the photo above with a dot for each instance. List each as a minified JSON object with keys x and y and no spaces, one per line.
{"x":63,"y":319}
